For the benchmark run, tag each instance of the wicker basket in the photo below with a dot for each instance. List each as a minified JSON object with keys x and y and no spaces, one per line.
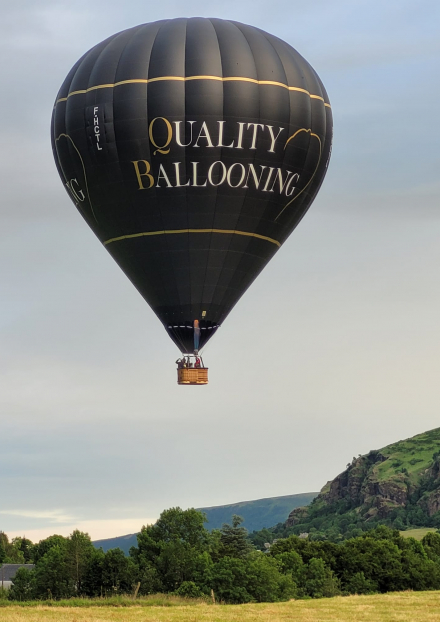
{"x":192,"y":375}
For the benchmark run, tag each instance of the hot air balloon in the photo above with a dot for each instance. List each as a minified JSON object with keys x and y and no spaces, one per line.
{"x":192,"y":148}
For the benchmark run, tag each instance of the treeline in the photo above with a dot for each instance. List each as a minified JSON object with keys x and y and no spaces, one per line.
{"x":341,"y":521}
{"x":178,"y":555}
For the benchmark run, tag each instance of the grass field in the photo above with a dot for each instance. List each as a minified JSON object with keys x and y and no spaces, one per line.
{"x":417,"y":534}
{"x":396,"y":607}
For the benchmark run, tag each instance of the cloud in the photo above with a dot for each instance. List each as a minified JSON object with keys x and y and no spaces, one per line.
{"x":97,"y":529}
{"x":53,"y":516}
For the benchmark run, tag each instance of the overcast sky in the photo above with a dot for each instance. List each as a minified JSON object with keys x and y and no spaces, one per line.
{"x":95,"y":433}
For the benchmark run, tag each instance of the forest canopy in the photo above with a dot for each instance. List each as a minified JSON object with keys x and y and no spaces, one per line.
{"x":178,"y":555}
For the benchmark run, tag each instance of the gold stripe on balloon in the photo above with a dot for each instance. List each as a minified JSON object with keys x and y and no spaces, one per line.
{"x":189,"y":78}
{"x":172,"y":231}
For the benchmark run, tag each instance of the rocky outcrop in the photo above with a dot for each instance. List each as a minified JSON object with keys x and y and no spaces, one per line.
{"x":385,"y":496}
{"x":373,"y":490}
{"x":349,"y":484}
{"x":433,"y":472}
{"x":431,"y":502}
{"x":359,"y":486}
{"x":296,"y":516}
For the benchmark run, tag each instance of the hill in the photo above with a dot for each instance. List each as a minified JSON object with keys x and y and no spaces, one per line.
{"x":257,"y":514}
{"x":398,"y":485}
{"x":120,"y":542}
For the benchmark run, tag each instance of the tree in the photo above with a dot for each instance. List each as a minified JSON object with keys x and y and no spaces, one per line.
{"x":79,"y":551}
{"x":52,"y":577}
{"x":254,"y":578}
{"x":431,"y":544}
{"x":148,"y":577}
{"x":233,"y":539}
{"x":229,"y":580}
{"x":265,"y":583}
{"x":188,"y":589}
{"x":23,"y":585}
{"x":168,"y":551}
{"x":359,"y":584}
{"x":308,"y":549}
{"x":91,"y":581}
{"x":420,"y":572}
{"x":44,"y":546}
{"x":176,"y":563}
{"x":177,"y":524}
{"x":261,"y":537}
{"x":318,"y":581}
{"x":118,"y":572}
{"x":9,"y":552}
{"x":290,"y":562}
{"x":377,"y":557}
{"x":26,"y":547}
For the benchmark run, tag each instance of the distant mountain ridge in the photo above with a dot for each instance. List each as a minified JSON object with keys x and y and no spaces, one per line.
{"x":398,"y":485}
{"x":257,"y":514}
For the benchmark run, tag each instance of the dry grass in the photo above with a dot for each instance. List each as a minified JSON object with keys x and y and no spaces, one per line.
{"x":396,"y":607}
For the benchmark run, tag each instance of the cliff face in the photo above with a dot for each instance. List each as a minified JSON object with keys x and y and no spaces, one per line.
{"x":379,"y":484}
{"x":431,"y":499}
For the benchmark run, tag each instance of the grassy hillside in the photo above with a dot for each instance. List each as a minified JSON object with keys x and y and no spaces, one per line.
{"x":120,"y":542}
{"x":402,"y":606}
{"x":257,"y":514}
{"x":398,"y":485}
{"x":410,"y":456}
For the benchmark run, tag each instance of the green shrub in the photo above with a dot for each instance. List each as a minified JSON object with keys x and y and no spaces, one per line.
{"x":188,"y":589}
{"x":318,"y":581}
{"x":359,"y":584}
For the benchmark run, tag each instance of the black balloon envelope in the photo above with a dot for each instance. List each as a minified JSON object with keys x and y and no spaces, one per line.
{"x":192,"y":148}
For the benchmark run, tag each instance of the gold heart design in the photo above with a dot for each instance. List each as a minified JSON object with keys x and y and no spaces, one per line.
{"x":303,"y":129}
